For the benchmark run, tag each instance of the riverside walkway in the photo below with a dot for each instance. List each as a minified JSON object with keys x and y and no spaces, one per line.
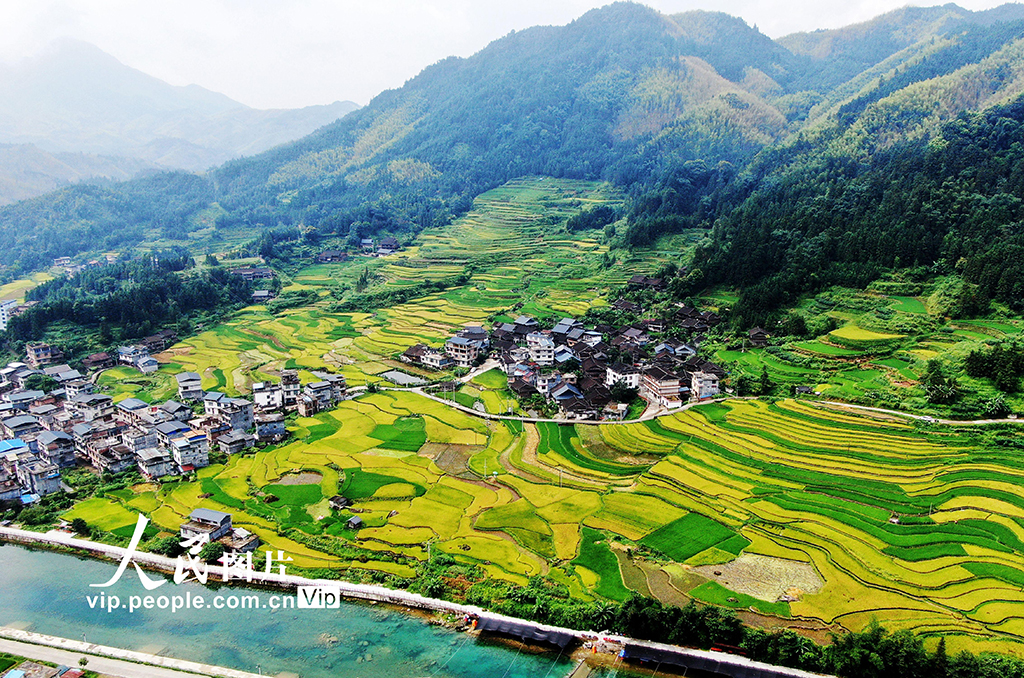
{"x":725,"y":664}
{"x":108,"y":661}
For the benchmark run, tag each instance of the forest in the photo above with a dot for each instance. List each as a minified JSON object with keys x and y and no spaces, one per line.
{"x":126,"y":300}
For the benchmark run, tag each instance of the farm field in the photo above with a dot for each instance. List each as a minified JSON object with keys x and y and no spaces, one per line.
{"x":853,"y":518}
{"x":511,"y":245}
{"x":875,"y":347}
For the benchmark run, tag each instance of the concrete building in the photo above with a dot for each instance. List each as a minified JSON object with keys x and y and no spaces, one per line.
{"x":57,"y":448}
{"x":156,"y":462}
{"x":541,"y":347}
{"x":190,"y":386}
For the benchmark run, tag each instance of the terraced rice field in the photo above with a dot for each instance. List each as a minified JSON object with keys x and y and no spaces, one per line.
{"x":923,"y":530}
{"x":511,"y":242}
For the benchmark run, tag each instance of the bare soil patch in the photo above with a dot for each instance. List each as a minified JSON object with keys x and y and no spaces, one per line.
{"x":764,"y":577}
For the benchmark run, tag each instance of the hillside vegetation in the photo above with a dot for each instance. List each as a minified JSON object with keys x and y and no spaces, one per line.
{"x":691,"y":114}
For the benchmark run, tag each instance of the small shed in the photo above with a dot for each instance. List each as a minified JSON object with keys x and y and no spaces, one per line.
{"x":354,"y":523}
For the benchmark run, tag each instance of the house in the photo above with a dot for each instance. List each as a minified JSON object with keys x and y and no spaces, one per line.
{"x":175,"y":410}
{"x":290,"y":388}
{"x":262,"y":296}
{"x":212,"y":402}
{"x":308,"y":405}
{"x":236,"y":413}
{"x":78,"y":387}
{"x":627,"y":307}
{"x":147,"y":365}
{"x":437,"y":360}
{"x":758,"y":337}
{"x":522,"y":389}
{"x":620,"y":373}
{"x":190,"y":450}
{"x":113,"y":458}
{"x":463,"y":351}
{"x":212,"y":524}
{"x":366,"y":244}
{"x":541,"y":347}
{"x":7,"y":307}
{"x":130,"y":355}
{"x":22,"y":400}
{"x":414,"y":354}
{"x":56,"y":448}
{"x":661,"y":387}
{"x":389,"y":245}
{"x":523,"y":325}
{"x":239,"y":540}
{"x":20,"y":425}
{"x":170,"y":429}
{"x":159,"y":341}
{"x":253,"y":273}
{"x":155,"y":462}
{"x":329,"y":256}
{"x":131,"y":411}
{"x":354,"y":523}
{"x":190,"y":385}
{"x":322,"y":392}
{"x":270,"y":427}
{"x":235,"y":442}
{"x":94,"y":407}
{"x":38,"y":476}
{"x":98,"y":361}
{"x":703,"y":385}
{"x":267,"y":396}
{"x":339,"y":502}
{"x":40,"y":354}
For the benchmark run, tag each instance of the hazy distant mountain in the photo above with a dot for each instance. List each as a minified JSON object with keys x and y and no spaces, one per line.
{"x":27,"y":171}
{"x":75,"y":98}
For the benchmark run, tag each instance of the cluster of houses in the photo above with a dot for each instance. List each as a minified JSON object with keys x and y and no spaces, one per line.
{"x":44,"y":433}
{"x":666,"y":373}
{"x":386,"y":247}
{"x":39,"y":355}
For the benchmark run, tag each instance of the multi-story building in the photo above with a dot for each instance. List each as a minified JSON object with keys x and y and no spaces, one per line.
{"x":57,"y":448}
{"x":541,"y":347}
{"x":661,"y":387}
{"x":291,"y":388}
{"x":190,"y":386}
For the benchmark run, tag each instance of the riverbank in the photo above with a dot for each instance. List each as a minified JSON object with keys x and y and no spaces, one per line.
{"x":607,"y":644}
{"x":109,"y":661}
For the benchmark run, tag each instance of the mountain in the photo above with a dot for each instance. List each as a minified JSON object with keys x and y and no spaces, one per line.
{"x":27,"y":171}
{"x":697,"y":115}
{"x":74,"y":98}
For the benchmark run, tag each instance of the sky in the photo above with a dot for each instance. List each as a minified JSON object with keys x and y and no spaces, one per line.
{"x":292,"y":53}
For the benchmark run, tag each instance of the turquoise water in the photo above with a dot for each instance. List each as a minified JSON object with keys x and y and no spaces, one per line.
{"x":46,"y":592}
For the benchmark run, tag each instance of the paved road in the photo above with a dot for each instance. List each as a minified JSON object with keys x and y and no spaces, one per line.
{"x":103,"y":665}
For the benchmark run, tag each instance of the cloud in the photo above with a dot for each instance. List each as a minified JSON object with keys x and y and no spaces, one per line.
{"x":288,"y":53}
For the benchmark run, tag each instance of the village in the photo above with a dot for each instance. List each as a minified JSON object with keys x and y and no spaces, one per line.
{"x":588,"y":373}
{"x":47,"y":430}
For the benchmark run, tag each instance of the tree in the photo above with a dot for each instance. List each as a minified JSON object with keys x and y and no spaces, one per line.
{"x":212,"y":552}
{"x":41,"y":382}
{"x":80,"y":527}
{"x":168,"y":546}
{"x":83,"y":662}
{"x":939,"y":388}
{"x":622,"y":393}
{"x":765,"y":382}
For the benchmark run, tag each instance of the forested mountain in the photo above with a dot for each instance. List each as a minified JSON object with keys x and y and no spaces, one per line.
{"x":704,"y":120}
{"x":76,"y":99}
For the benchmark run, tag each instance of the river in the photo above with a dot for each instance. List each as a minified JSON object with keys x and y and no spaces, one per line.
{"x":48,"y":592}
